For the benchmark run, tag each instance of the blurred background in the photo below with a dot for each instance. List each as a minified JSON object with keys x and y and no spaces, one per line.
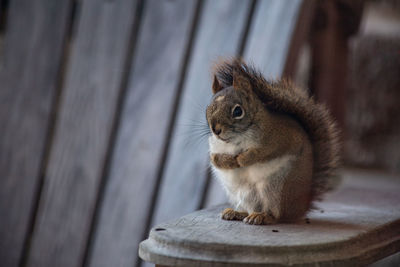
{"x":102,"y":123}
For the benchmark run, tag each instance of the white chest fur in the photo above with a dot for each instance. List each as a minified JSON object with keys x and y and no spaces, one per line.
{"x":247,"y":187}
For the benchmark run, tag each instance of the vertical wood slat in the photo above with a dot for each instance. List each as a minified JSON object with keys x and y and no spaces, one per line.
{"x":87,"y":108}
{"x":301,"y":33}
{"x":149,"y":104}
{"x":335,"y":22}
{"x":29,"y":70}
{"x":221,"y":25}
{"x":269,"y":38}
{"x":272,"y":42}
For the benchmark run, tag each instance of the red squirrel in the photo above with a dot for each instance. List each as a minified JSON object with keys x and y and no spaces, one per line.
{"x":272,"y":147}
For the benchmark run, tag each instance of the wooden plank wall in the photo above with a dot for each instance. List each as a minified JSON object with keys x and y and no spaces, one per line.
{"x":102,"y":123}
{"x":29,"y":86}
{"x":159,"y":61}
{"x":83,"y":129}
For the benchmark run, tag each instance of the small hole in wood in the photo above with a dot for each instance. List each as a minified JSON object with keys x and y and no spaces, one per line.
{"x":275,"y":231}
{"x":160,"y":229}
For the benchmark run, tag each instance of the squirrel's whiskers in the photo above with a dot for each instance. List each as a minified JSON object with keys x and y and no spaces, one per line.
{"x":194,"y":133}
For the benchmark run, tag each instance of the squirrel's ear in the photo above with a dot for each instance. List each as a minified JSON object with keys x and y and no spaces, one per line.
{"x":216,"y":87}
{"x":241,"y":82}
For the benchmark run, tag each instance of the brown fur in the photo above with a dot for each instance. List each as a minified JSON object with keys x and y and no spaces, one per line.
{"x":284,"y":97}
{"x":281,"y":121}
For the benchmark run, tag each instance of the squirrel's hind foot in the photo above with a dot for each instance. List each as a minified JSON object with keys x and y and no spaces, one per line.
{"x":258,"y":218}
{"x":233,"y":215}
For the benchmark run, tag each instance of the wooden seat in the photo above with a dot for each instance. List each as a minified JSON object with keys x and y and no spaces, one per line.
{"x":356,"y":225}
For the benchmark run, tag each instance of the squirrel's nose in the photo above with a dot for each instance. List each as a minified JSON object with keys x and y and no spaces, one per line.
{"x":216,"y":129}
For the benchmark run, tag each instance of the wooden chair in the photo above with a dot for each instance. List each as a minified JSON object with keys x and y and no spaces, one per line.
{"x":95,"y":96}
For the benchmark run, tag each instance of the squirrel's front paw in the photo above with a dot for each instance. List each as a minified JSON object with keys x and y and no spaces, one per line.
{"x":242,"y":159}
{"x":224,"y":161}
{"x":247,"y":157}
{"x":216,"y":160}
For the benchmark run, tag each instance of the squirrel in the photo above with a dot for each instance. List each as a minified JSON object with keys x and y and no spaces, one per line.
{"x":274,"y":148}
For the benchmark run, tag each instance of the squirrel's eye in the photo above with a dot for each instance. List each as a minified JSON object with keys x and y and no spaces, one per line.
{"x":237,"y":112}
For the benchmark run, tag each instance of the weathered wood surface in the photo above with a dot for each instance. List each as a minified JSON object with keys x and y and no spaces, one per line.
{"x":358,"y":224}
{"x":277,"y":31}
{"x":215,"y":194}
{"x":270,"y":36}
{"x":30,"y":61}
{"x":82,"y":134}
{"x":153,"y":84}
{"x":329,"y":59}
{"x":221,"y":27}
{"x":373,"y":103}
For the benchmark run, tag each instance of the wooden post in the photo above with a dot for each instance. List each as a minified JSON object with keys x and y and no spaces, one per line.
{"x":334,"y":22}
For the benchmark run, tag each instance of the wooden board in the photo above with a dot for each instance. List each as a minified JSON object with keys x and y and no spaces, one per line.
{"x":158,"y":62}
{"x":220,"y":30}
{"x":215,"y":194}
{"x":30,"y":61}
{"x":329,"y":59}
{"x":278,"y":29}
{"x":269,"y":38}
{"x":82,"y":134}
{"x":357,"y":225}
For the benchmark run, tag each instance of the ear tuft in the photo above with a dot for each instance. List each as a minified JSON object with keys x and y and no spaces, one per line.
{"x":216,"y":86}
{"x":241,"y":82}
